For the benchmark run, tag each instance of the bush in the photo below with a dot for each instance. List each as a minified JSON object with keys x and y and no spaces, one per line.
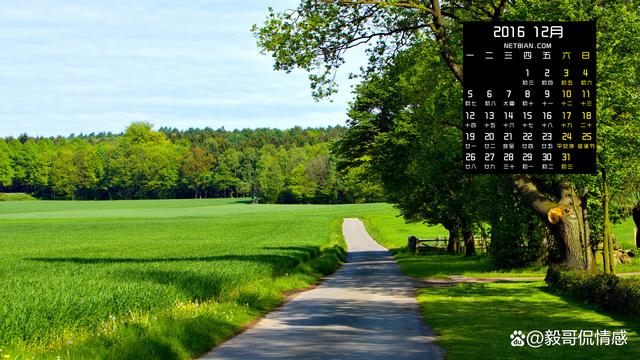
{"x":605,"y":290}
{"x":16,"y":197}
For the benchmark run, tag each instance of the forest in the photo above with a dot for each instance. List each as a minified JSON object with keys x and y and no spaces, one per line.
{"x":268,"y":165}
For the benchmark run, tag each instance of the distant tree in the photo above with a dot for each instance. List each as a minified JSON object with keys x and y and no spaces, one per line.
{"x":271,"y":174}
{"x":6,"y":168}
{"x":225,"y":174}
{"x":249,"y":172}
{"x":89,"y":169}
{"x":145,"y":164}
{"x":62,"y":174}
{"x":32,"y":163}
{"x":195,"y":169}
{"x":359,"y":184}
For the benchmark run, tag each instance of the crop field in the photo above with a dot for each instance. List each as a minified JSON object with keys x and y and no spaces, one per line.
{"x":166,"y":278}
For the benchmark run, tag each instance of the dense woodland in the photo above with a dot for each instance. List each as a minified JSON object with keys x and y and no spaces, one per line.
{"x":268,"y":165}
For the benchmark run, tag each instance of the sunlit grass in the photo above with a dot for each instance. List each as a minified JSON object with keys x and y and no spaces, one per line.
{"x":474,"y":321}
{"x":154,"y":279}
{"x":624,"y":234}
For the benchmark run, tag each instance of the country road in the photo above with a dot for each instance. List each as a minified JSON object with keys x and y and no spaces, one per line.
{"x":366,"y":309}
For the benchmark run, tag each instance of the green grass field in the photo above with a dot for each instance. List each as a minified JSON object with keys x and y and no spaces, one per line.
{"x":134,"y":279}
{"x":172,"y":278}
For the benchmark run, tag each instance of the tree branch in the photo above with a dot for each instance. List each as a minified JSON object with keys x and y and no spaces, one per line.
{"x":499,"y":10}
{"x":530,"y":192}
{"x":459,"y":127}
{"x":441,"y":37}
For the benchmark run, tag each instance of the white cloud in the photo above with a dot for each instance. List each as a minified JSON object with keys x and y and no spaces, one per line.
{"x":88,"y":66}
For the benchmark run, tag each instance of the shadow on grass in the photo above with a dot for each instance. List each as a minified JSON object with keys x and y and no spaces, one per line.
{"x":195,"y":286}
{"x":291,"y":259}
{"x":589,"y":305}
{"x":303,"y":252}
{"x":242,"y":201}
{"x":476,"y":320}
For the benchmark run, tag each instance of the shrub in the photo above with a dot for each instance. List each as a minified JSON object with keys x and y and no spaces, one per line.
{"x":16,"y":197}
{"x":605,"y":290}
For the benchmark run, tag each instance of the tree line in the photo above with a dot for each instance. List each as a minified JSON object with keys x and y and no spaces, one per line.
{"x":268,"y":165}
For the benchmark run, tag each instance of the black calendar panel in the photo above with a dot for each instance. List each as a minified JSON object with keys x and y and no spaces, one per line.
{"x":529,"y":97}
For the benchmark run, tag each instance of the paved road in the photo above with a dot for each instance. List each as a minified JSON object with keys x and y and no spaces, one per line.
{"x":366,"y":309}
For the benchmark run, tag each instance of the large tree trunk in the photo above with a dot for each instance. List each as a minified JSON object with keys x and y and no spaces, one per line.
{"x":467,"y":235}
{"x":566,"y":221}
{"x":454,"y":238}
{"x":635,"y":214}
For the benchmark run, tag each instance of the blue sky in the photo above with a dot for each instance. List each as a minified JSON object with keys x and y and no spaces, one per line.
{"x":89,"y":66}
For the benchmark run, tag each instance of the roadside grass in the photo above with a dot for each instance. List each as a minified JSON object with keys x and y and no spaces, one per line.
{"x":475,"y":320}
{"x":154,"y":279}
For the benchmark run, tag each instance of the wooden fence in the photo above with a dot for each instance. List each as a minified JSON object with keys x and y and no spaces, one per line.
{"x":482,"y":244}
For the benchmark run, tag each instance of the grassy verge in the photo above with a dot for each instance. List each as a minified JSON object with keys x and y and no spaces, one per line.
{"x":475,"y":320}
{"x":153,"y":279}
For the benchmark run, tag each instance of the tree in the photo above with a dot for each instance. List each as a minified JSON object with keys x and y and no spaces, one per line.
{"x":144,"y":165}
{"x":196,"y":169}
{"x":618,"y":110}
{"x":62,"y":174}
{"x":225,"y":174}
{"x":31,"y":164}
{"x":248,"y":172}
{"x":88,"y":169}
{"x":271,"y":178}
{"x":315,"y":36}
{"x":6,"y":170}
{"x":359,"y":184}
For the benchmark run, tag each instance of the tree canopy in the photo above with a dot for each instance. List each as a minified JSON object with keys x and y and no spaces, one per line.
{"x":405,"y":122}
